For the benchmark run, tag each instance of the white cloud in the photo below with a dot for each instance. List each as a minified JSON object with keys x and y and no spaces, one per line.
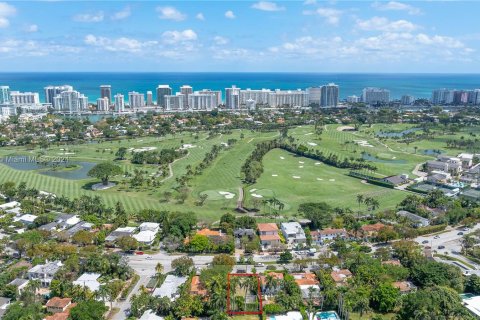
{"x":219,"y":40}
{"x":309,"y":2}
{"x":30,"y":48}
{"x":229,"y":14}
{"x":396,"y":6}
{"x":31,"y":28}
{"x":331,"y":16}
{"x":383,"y":24}
{"x":6,"y":11}
{"x":122,"y":14}
{"x":179,"y":36}
{"x":121,"y":44}
{"x":388,"y":46}
{"x":267,"y":6}
{"x":200,"y":16}
{"x":89,"y":17}
{"x":170,"y":13}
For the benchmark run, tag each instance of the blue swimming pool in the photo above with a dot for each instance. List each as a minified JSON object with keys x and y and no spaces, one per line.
{"x":327,"y":315}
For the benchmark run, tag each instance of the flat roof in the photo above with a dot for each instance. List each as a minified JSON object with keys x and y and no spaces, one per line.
{"x":169,"y":287}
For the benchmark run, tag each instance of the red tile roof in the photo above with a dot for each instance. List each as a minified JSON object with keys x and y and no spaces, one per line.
{"x":341,"y":275}
{"x":305,"y":279}
{"x":270,"y":237}
{"x":266,"y":227}
{"x":373,"y":227}
{"x":196,"y":287}
{"x":57,"y":302}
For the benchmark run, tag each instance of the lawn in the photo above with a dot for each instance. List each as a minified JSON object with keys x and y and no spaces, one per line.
{"x":222,"y":175}
{"x":295,"y":180}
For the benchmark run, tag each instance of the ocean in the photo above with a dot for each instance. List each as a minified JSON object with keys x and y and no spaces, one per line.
{"x":417,"y":85}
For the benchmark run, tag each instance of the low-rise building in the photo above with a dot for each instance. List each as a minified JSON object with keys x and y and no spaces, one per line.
{"x":197,"y":288}
{"x":4,"y":303}
{"x":307,"y":282}
{"x":371,"y":230}
{"x":119,"y":233}
{"x":170,"y":287}
{"x":397,"y":180}
{"x":44,"y":272}
{"x":467,"y":159}
{"x":320,"y":236}
{"x":404,"y":286}
{"x":57,"y":305}
{"x":293,"y":232}
{"x":20,"y":284}
{"x":439,"y":177}
{"x":340,"y":276}
{"x":269,"y":237}
{"x":89,"y":280}
{"x":271,"y":282}
{"x":26,"y":219}
{"x":416,"y":220}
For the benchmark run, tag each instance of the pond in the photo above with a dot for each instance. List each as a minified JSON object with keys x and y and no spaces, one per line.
{"x":61,"y":170}
{"x":370,"y":157}
{"x":397,"y":134}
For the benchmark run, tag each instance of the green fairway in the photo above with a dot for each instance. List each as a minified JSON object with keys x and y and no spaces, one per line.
{"x":295,"y":180}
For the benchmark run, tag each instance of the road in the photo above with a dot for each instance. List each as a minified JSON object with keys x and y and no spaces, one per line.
{"x":144,"y":266}
{"x":451,"y":240}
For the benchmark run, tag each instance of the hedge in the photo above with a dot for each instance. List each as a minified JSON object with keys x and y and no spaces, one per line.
{"x":431,"y":229}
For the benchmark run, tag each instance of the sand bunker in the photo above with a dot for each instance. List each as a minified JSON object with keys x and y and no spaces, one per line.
{"x":145,"y":149}
{"x":296,"y":177}
{"x":318,"y":163}
{"x":253,"y":190}
{"x":331,"y":180}
{"x":187,"y":146}
{"x":257,"y":195}
{"x":363,"y":143}
{"x":274,"y":175}
{"x":283,"y":158}
{"x":311,"y":143}
{"x":301,"y":162}
{"x":346,"y":128}
{"x":319,"y":179}
{"x":309,"y":134}
{"x":226,"y":194}
{"x":301,"y":167}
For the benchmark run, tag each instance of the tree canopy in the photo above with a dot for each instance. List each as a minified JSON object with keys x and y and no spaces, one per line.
{"x":104,"y":171}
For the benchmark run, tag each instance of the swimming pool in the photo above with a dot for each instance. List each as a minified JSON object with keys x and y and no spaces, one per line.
{"x":327,"y":315}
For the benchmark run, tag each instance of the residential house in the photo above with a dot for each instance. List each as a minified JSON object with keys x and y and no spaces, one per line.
{"x":197,"y":288}
{"x":394,"y":262}
{"x":170,"y":287}
{"x":58,"y":305}
{"x":239,"y":233}
{"x":446,"y":164}
{"x":340,"y":276}
{"x":26,"y":219}
{"x":9,"y":205}
{"x":44,"y":272}
{"x":416,"y":220}
{"x":272,"y":287}
{"x":119,"y":233}
{"x":439,"y":177}
{"x":20,"y":284}
{"x":148,"y":232}
{"x":82,"y":225}
{"x":320,"y":236}
{"x":293,"y":233}
{"x":467,"y":159}
{"x":150,"y":315}
{"x":397,"y":180}
{"x":404,"y":286}
{"x":307,"y":282}
{"x":269,"y":237}
{"x":371,"y":230}
{"x":4,"y":303}
{"x":89,"y":280}
{"x":472,"y":175}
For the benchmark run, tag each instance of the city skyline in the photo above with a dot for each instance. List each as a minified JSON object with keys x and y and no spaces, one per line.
{"x":319,"y":36}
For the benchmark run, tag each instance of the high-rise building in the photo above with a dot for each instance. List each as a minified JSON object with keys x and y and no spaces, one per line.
{"x":375,"y":96}
{"x":70,"y":101}
{"x":259,"y":96}
{"x":250,"y":104}
{"x":314,"y":95}
{"x":106,"y":92}
{"x":149,"y":98}
{"x":353,"y":99}
{"x":217,"y":93}
{"x":53,"y":91}
{"x":5,"y":95}
{"x":186,"y":91}
{"x":442,"y":96}
{"x":175,"y":102}
{"x":329,"y":96}
{"x":232,"y":97}
{"x":474,"y":97}
{"x":288,"y":98}
{"x":19,"y":98}
{"x":119,"y":103}
{"x":407,"y":100}
{"x":136,"y":100}
{"x":202,"y":101}
{"x":460,"y":97}
{"x":103,"y":104}
{"x":162,"y":91}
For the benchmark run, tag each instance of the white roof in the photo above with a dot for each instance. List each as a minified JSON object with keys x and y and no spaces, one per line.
{"x":145,"y":236}
{"x":292,"y":315}
{"x":149,"y":225}
{"x":473,"y":304}
{"x":9,"y":205}
{"x":466,"y":156}
{"x":126,"y":229}
{"x":27,"y":217}
{"x":150,"y":315}
{"x":88,"y":280}
{"x":169,"y":287}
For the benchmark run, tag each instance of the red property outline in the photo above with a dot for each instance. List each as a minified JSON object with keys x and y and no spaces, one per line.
{"x":259,"y":295}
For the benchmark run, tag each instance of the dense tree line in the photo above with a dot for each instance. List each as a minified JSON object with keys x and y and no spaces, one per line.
{"x":163,"y":156}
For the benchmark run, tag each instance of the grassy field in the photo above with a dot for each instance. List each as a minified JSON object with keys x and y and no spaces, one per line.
{"x":295,"y":180}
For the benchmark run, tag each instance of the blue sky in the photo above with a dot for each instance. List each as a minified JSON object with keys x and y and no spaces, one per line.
{"x":306,"y":36}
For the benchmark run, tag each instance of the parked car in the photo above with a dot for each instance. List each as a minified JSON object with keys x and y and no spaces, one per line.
{"x":436,"y":237}
{"x":425,"y":241}
{"x":441,"y":247}
{"x":259,"y":264}
{"x":460,"y":234}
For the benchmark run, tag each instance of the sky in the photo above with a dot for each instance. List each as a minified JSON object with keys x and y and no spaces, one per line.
{"x":221,"y":36}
